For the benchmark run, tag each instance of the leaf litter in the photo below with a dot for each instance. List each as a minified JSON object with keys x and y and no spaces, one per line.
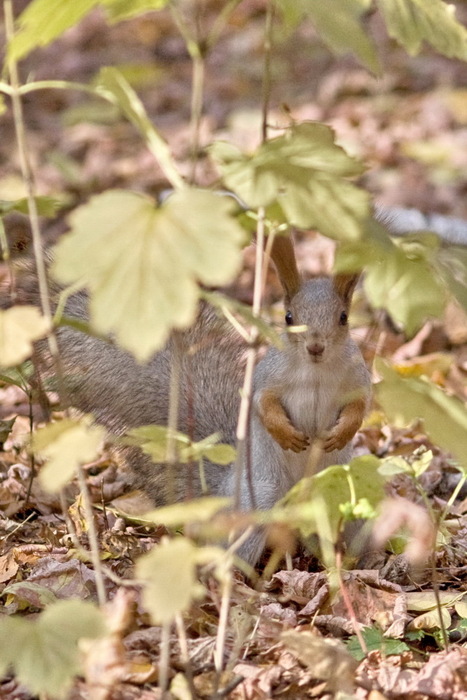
{"x":286,"y":640}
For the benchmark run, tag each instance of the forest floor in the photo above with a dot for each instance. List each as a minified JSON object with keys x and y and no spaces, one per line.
{"x":410,"y":128}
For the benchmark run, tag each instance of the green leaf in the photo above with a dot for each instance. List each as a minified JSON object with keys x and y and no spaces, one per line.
{"x":451,"y":263}
{"x":400,"y":275}
{"x":302,"y":171}
{"x":411,"y":22}
{"x":66,"y":445}
{"x":357,"y":481}
{"x":150,"y":259}
{"x":112,"y":85}
{"x":46,"y":206}
{"x":169,"y":574}
{"x":43,"y":21}
{"x":197,"y":510}
{"x":153,"y":440}
{"x":338,"y":25}
{"x":20,"y":326}
{"x":375,"y":641}
{"x":407,"y":399}
{"x":44,"y":653}
{"x":119,"y":10}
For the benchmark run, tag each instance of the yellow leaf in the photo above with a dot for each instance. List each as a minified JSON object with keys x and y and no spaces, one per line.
{"x":169,"y":572}
{"x":199,"y":509}
{"x":431,"y":619}
{"x":66,"y":445}
{"x":20,"y":326}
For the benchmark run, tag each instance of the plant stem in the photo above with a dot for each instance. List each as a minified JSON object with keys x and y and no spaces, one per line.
{"x":197,"y":96}
{"x":92,"y":537}
{"x":349,"y":606}
{"x":266,"y":88}
{"x":223,"y":619}
{"x":197,"y":54}
{"x":164,"y":659}
{"x":241,"y":462}
{"x":28,"y":178}
{"x":174,"y":404}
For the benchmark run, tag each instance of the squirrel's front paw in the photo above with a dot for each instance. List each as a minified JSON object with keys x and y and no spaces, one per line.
{"x":290,"y":439}
{"x":335,"y":440}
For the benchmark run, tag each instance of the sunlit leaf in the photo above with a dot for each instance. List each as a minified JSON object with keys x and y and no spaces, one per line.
{"x":196,"y":510}
{"x":20,"y":326}
{"x":44,"y":653}
{"x":46,"y":206}
{"x":400,"y":276}
{"x":150,"y":259}
{"x":153,"y":440}
{"x":333,"y":486}
{"x":407,"y":399}
{"x":302,"y":171}
{"x":338,"y":25}
{"x":411,"y":22}
{"x":66,"y":444}
{"x":169,"y":574}
{"x":452,"y":264}
{"x":43,"y":21}
{"x":118,"y":10}
{"x":431,"y":620}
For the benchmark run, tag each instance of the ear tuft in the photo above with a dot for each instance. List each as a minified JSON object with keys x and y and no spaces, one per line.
{"x":344,"y":284}
{"x":283,"y":257}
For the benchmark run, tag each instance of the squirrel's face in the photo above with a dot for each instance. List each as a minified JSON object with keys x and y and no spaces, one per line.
{"x":317,"y":319}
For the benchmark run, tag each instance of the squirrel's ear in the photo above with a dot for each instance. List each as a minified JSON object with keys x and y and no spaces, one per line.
{"x":344,"y":284}
{"x":283,"y":257}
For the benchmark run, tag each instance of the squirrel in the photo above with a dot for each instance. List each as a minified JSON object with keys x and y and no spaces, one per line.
{"x":316,"y":387}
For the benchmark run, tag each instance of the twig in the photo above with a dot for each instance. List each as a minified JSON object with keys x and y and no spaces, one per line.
{"x":435,"y":582}
{"x":164,"y":658}
{"x":92,"y":536}
{"x":349,"y":606}
{"x":172,"y":422}
{"x":28,"y":178}
{"x":227,"y":582}
{"x":182,"y":640}
{"x":242,"y":461}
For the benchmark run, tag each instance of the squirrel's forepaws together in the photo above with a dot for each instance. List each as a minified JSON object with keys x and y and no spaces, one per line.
{"x":291,"y":439}
{"x":335,"y":440}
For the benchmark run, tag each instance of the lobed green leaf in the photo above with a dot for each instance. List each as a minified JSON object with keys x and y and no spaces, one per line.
{"x":411,"y":22}
{"x":44,"y":653}
{"x":303,"y":172}
{"x":407,"y":399}
{"x":142,"y":263}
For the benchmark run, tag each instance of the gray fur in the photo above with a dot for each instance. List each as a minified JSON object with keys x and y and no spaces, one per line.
{"x":121,"y":393}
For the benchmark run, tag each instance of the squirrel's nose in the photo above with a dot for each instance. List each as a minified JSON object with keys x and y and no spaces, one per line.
{"x":315,"y":349}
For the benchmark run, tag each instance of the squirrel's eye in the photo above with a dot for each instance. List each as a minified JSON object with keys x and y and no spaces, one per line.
{"x":289,"y":318}
{"x":343,"y":319}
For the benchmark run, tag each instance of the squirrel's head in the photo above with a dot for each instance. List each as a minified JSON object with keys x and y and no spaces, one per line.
{"x":316,"y":311}
{"x":317,"y":316}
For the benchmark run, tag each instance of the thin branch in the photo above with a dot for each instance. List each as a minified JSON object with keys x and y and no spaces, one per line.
{"x":28,"y":178}
{"x":92,"y":537}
